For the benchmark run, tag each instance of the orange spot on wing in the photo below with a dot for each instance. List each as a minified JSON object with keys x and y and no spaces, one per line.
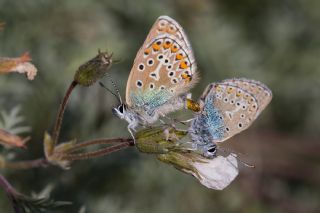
{"x":179,"y":56}
{"x":147,"y":51}
{"x":229,"y":90}
{"x":183,"y":65}
{"x":156,"y":47}
{"x":186,"y":77}
{"x":174,"y":48}
{"x":167,"y":44}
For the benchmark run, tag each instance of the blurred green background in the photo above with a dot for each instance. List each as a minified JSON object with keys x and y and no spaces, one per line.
{"x":275,"y":42}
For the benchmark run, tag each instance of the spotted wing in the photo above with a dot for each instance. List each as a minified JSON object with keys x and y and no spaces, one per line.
{"x":167,"y":25}
{"x":260,"y":91}
{"x":164,"y":67}
{"x":226,"y":110}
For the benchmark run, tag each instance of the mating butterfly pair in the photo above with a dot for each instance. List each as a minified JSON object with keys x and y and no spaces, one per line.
{"x":163,"y":72}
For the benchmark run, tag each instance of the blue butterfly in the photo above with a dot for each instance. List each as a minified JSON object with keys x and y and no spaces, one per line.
{"x":226,"y":109}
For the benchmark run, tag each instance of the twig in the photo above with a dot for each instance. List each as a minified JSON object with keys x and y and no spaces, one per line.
{"x":7,"y":186}
{"x":28,"y":164}
{"x":62,"y":109}
{"x":98,"y":153}
{"x":97,"y":142}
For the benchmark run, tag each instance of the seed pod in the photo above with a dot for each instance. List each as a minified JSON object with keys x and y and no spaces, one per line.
{"x":90,"y":72}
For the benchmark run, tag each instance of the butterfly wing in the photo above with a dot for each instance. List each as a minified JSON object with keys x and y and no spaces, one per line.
{"x":163,"y":69}
{"x":260,"y":91}
{"x":226,"y":110}
{"x":167,"y":25}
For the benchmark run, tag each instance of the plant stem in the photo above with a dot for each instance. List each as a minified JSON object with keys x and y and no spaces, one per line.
{"x":28,"y":164}
{"x":62,"y":108}
{"x":6,"y":186}
{"x":98,"y":153}
{"x":97,"y":142}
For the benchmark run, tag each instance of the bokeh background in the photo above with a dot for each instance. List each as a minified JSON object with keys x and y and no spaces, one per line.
{"x":276,"y":42}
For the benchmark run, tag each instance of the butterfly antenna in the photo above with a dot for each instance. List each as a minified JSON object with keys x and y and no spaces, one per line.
{"x":106,"y":88}
{"x":236,"y":155}
{"x":241,"y":161}
{"x":115,"y":87}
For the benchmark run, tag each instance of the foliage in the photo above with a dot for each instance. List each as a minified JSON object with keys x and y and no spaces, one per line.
{"x":275,"y":42}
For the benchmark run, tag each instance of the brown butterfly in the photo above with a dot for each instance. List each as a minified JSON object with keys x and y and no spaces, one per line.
{"x":163,"y":71}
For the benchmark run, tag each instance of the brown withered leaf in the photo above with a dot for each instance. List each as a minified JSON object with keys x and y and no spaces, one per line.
{"x":20,"y":64}
{"x":9,"y":139}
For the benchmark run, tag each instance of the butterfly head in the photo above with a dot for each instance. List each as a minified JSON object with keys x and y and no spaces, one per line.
{"x":120,"y":111}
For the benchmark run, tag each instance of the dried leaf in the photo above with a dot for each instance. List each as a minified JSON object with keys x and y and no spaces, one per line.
{"x":21,"y":65}
{"x":9,"y":139}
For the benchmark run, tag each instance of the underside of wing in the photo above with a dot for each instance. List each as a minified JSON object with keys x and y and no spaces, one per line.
{"x":164,"y":67}
{"x":225,"y":111}
{"x":260,"y":91}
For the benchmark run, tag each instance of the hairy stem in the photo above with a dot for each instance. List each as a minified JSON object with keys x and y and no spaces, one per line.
{"x":61,"y":111}
{"x":98,"y":153}
{"x":6,"y":186}
{"x":28,"y":164}
{"x":98,"y":142}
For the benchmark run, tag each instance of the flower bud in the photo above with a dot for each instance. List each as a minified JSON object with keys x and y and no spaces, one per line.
{"x":88,"y":73}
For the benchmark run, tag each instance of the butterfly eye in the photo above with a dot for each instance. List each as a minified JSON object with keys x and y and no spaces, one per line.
{"x":212,"y":150}
{"x":120,"y":108}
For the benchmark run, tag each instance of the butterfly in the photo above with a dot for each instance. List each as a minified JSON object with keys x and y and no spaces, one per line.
{"x":163,"y":71}
{"x":225,"y":109}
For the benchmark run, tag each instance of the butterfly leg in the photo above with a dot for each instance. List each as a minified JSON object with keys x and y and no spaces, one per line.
{"x":132,"y":135}
{"x":187,"y":121}
{"x":132,"y":128}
